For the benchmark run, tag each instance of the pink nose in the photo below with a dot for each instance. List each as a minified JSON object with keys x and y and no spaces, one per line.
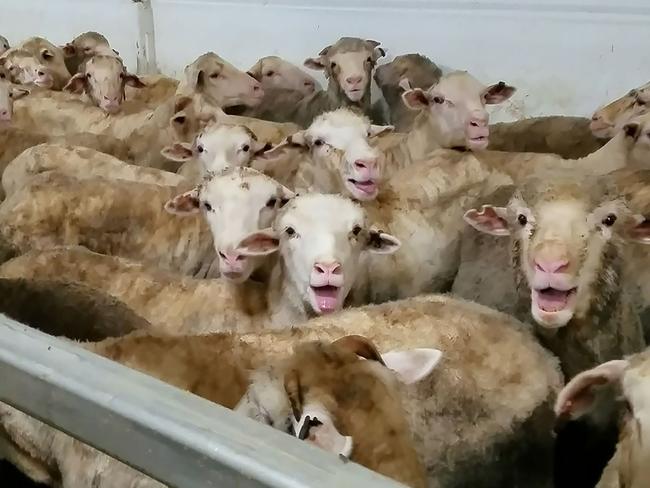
{"x":354,"y":80}
{"x":4,"y":115}
{"x":232,"y":259}
{"x":551,"y":266}
{"x":257,"y":87}
{"x":328,"y":269}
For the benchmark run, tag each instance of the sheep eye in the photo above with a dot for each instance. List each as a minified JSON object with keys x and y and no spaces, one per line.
{"x":318,"y":142}
{"x":640,"y":102}
{"x":369,"y":60}
{"x":270,"y":73}
{"x":356,"y":230}
{"x":333,"y":65}
{"x":214,"y":76}
{"x":522,"y":219}
{"x":89,"y":76}
{"x":200,"y":148}
{"x":271,"y":202}
{"x":290,"y":231}
{"x":438,"y":99}
{"x":207,"y":206}
{"x":609,"y":220}
{"x":245,"y":147}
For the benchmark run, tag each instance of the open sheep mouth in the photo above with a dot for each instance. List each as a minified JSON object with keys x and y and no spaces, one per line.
{"x":327,"y":297}
{"x":368,"y":186}
{"x":479,"y":139}
{"x":553,"y":300}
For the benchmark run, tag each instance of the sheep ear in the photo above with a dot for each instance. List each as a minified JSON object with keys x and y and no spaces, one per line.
{"x":577,"y":397}
{"x":259,"y":243}
{"x":184,"y":204}
{"x":632,"y":130}
{"x":256,"y":70}
{"x":133,"y":80}
{"x":382,"y":243}
{"x":412,"y":365}
{"x":405,"y":84}
{"x":376,"y":130}
{"x":46,"y":54}
{"x":69,"y":50}
{"x":498,"y":93}
{"x":179,"y":152}
{"x":77,"y":84}
{"x":361,"y":346}
{"x":416,"y":99}
{"x":315,"y":63}
{"x":489,"y":219}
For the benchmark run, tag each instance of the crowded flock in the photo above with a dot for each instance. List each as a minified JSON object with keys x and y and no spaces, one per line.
{"x":457,"y":303}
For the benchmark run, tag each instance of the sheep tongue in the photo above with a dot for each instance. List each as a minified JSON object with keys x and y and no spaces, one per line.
{"x":326,"y":298}
{"x":552,"y":300}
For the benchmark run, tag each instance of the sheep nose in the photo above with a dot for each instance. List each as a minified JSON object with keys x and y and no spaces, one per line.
{"x":552,"y":266}
{"x":329,"y":269}
{"x":478,"y":122}
{"x":231,"y":257}
{"x":354,"y":80}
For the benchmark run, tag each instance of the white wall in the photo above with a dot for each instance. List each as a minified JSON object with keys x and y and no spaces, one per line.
{"x":565,"y":56}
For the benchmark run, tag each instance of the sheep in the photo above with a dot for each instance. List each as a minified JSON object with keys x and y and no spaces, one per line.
{"x":569,"y":137}
{"x":628,"y":149}
{"x":275,"y":72}
{"x":568,"y":251}
{"x":75,"y":160}
{"x":51,"y":56}
{"x":334,"y":156}
{"x":24,"y":68}
{"x":4,"y":45}
{"x":628,"y":466}
{"x":83,"y":47}
{"x":110,"y":216}
{"x":378,"y":433}
{"x":608,"y":120}
{"x":8,"y":93}
{"x":103,"y":79}
{"x":402,"y":73}
{"x":348,"y":65}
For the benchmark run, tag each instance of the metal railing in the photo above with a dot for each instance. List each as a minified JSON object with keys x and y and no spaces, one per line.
{"x":175,"y":437}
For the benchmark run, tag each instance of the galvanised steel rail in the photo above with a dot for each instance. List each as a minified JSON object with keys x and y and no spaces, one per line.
{"x":173,"y":436}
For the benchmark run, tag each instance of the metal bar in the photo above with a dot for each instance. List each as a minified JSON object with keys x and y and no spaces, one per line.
{"x":146,"y":45}
{"x":177,"y":438}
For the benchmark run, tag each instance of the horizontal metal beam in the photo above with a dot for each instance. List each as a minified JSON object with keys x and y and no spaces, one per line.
{"x":177,"y":438}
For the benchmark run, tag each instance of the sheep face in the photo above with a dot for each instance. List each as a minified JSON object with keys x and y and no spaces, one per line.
{"x":323,"y":393}
{"x":218,"y":147}
{"x":320,"y":239}
{"x":419,"y":70}
{"x":637,"y":130}
{"x":221,"y":82}
{"x":25,"y":69}
{"x":340,"y":142}
{"x":4,"y":45}
{"x":608,"y":120}
{"x":349,"y":64}
{"x":629,"y":466}
{"x":457,"y":106}
{"x":567,"y":244}
{"x":235,"y":204}
{"x":103,"y":78}
{"x":51,"y":57}
{"x":8,"y":94}
{"x":275,"y":72}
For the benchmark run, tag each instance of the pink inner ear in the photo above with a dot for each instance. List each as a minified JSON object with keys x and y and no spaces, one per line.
{"x":416,"y":98}
{"x":487,"y":218}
